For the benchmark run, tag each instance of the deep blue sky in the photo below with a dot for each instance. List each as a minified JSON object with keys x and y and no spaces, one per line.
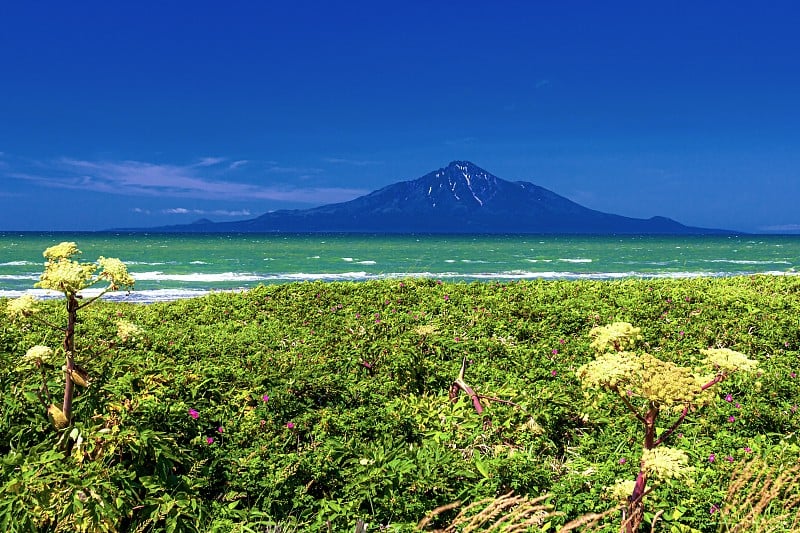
{"x":146,"y":113}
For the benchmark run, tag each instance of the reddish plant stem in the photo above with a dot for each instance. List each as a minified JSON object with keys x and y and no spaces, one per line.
{"x":635,"y":507}
{"x":635,"y":510}
{"x":69,"y":350}
{"x":460,"y":384}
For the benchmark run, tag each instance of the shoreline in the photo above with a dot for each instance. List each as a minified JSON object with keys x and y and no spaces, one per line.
{"x":159,"y":295}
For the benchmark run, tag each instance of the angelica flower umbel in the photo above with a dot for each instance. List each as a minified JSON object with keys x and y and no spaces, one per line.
{"x":621,"y":489}
{"x":38,"y":354}
{"x":667,"y":383}
{"x":128,"y":331}
{"x":21,"y":307}
{"x":611,"y":370}
{"x":616,"y":336}
{"x":727,"y":360}
{"x":64,"y":250}
{"x":115,"y":272}
{"x":67,"y":276}
{"x":666,"y":463}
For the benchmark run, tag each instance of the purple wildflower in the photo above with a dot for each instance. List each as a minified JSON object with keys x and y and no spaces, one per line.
{"x":194,"y":414}
{"x":712,"y":457}
{"x":290,"y":425}
{"x":210,"y":440}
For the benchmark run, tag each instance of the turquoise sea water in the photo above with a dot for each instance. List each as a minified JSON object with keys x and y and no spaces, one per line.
{"x":170,"y":266}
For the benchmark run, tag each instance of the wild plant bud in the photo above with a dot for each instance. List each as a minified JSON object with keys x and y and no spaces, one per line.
{"x":57,"y":417}
{"x":80,"y":376}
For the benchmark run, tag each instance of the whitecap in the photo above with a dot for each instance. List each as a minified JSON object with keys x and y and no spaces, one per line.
{"x":198,"y":277}
{"x":19,"y":263}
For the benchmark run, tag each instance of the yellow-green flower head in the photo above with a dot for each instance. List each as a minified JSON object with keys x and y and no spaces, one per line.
{"x":611,"y":370}
{"x":21,"y":307}
{"x":621,"y":489}
{"x":425,"y":330}
{"x":64,"y":250}
{"x":66,"y":276}
{"x":115,"y":272}
{"x":617,"y":336}
{"x":38,"y":353}
{"x":127,"y":331}
{"x":666,"y":463}
{"x":667,"y":383}
{"x":727,"y":360}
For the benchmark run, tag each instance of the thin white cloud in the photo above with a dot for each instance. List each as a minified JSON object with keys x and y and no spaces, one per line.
{"x":137,"y":178}
{"x":217,"y":212}
{"x":782,"y":227}
{"x":353,"y":162}
{"x":209,"y":161}
{"x":236,"y":164}
{"x":278,"y":169}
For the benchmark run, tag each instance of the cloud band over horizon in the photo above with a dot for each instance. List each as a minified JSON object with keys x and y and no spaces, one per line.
{"x":207,"y":179}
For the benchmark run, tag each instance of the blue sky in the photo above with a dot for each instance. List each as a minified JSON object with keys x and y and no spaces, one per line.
{"x":148,"y":113}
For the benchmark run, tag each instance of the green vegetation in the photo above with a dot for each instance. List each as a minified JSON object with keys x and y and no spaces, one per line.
{"x":310,"y":406}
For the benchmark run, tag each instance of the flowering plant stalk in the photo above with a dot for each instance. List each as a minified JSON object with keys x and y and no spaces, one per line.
{"x":646,"y":385}
{"x":62,"y":273}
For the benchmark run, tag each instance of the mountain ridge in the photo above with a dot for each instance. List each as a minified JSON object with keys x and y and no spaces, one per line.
{"x":458,"y":198}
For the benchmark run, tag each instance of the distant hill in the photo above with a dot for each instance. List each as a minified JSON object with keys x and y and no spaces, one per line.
{"x":460,"y":198}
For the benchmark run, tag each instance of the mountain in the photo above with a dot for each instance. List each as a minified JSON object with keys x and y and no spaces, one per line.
{"x":460,"y":198}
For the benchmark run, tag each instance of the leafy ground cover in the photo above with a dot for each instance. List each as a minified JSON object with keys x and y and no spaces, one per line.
{"x":310,"y":406}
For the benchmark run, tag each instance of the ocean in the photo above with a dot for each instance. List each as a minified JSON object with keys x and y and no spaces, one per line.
{"x":173,"y":266}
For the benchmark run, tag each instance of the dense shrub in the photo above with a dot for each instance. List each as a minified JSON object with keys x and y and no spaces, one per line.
{"x":313,"y":405}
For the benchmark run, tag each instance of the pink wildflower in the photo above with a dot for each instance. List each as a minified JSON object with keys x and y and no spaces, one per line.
{"x":712,"y":457}
{"x":265,"y":398}
{"x":290,"y":425}
{"x":193,"y":413}
{"x":728,"y":397}
{"x":220,"y":430}
{"x":210,"y":440}
{"x":731,"y":419}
